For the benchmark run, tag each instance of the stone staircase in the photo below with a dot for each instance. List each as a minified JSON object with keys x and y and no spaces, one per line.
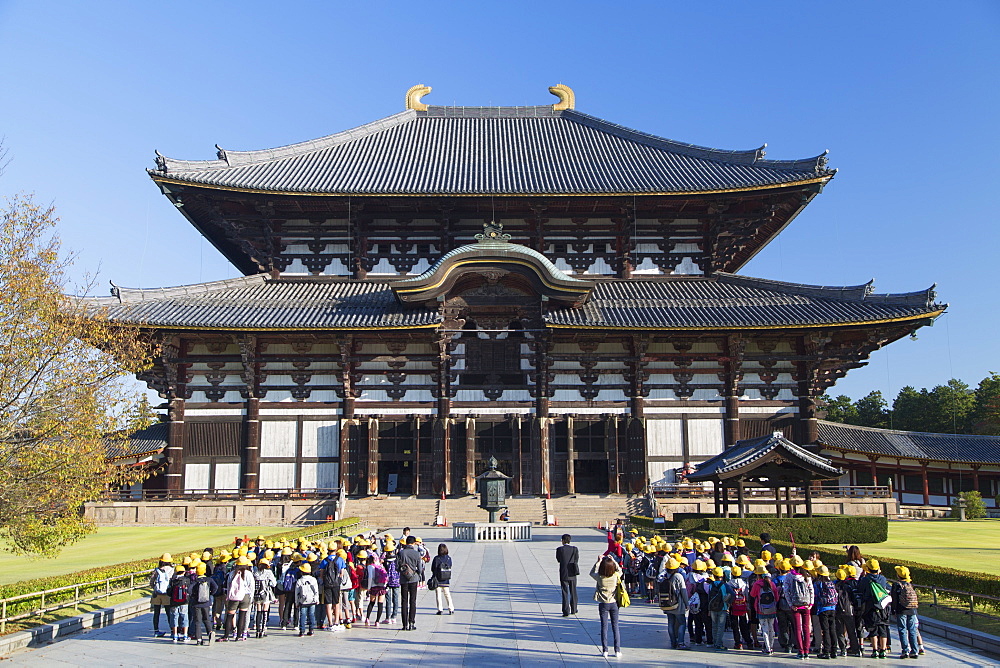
{"x":466,"y":509}
{"x":587,"y":510}
{"x":387,"y":512}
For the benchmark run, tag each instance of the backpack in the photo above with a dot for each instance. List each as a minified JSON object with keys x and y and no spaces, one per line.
{"x":651,"y":571}
{"x":259,"y":591}
{"x":827,"y":594}
{"x":381,"y":577}
{"x":288,"y":582}
{"x":202,"y":592}
{"x":845,"y":599}
{"x":306,"y":594}
{"x":179,"y":591}
{"x":331,"y":579}
{"x":345,"y":579}
{"x":694,"y":603}
{"x":219,"y":575}
{"x":798,"y":592}
{"x":739,"y":606}
{"x":444,"y":570}
{"x":716,"y":598}
{"x":908,"y":600}
{"x":669,"y":601}
{"x":406,"y":570}
{"x":767,"y":603}
{"x":880,"y":595}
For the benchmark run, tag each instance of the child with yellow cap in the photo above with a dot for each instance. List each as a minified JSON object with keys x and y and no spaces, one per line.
{"x":904,"y":605}
{"x":875,"y":602}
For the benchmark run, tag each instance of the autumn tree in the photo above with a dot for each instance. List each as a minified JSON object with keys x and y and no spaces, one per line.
{"x":65,"y":388}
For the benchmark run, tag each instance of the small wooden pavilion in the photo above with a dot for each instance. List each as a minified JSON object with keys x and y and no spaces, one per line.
{"x":769,"y":461}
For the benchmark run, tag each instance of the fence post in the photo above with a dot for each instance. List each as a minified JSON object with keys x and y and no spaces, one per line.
{"x":972,"y":610}
{"x":107,"y":589}
{"x":41,"y":608}
{"x":131,"y":581}
{"x":76,"y":598}
{"x":3,"y":622}
{"x":934,"y":591}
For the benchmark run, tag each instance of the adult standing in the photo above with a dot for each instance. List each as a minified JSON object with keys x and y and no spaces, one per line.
{"x":411,"y":573}
{"x":568,"y":557}
{"x":159,"y":582}
{"x":674,"y":602}
{"x":441,"y":572}
{"x":608,"y":574}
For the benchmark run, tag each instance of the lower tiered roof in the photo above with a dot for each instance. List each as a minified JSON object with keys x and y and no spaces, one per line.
{"x":909,"y":444}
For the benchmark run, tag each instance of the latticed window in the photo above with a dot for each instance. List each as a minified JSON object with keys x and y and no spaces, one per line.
{"x":589,"y":435}
{"x":396,"y":438}
{"x":492,"y":362}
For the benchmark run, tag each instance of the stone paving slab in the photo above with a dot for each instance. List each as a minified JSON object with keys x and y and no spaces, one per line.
{"x":507,"y":613}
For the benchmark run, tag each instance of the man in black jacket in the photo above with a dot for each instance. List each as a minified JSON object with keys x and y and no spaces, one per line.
{"x":411,"y":573}
{"x":568,"y":557}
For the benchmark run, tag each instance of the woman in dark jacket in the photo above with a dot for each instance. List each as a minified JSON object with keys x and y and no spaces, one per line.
{"x":441,"y":571}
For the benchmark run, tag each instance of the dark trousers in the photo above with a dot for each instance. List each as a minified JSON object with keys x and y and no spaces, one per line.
{"x":700,"y":627}
{"x":786,"y":629}
{"x":408,"y":591}
{"x":568,"y":596}
{"x":828,"y":632}
{"x":846,"y":624}
{"x":202,"y":618}
{"x":741,"y":630}
{"x":609,"y":617}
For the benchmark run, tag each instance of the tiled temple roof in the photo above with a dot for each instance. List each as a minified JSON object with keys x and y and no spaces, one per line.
{"x":910,"y":444}
{"x":491,"y":150}
{"x":744,"y":454}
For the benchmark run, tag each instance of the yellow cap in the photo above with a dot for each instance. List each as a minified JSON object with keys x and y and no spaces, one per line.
{"x":312,"y":557}
{"x":285,"y":551}
{"x":166,"y":558}
{"x":729,"y":558}
{"x":743,"y":560}
{"x":796,"y":561}
{"x":699,"y":565}
{"x":760,"y":569}
{"x":260,"y":538}
{"x":740,"y":543}
{"x":710,"y":563}
{"x":841,"y":574}
{"x":252,"y":556}
{"x":717,"y":572}
{"x":852,"y":570}
{"x":264,"y":563}
{"x":305,"y":568}
{"x":873,"y":565}
{"x":297,"y":556}
{"x":342,"y":554}
{"x":186,"y":561}
{"x":223,"y":559}
{"x":243,"y":561}
{"x":903,"y":573}
{"x":765,"y":555}
{"x":784,"y":565}
{"x":362,"y":554}
{"x":808,"y":565}
{"x":201,"y":569}
{"x":269,"y":554}
{"x":206,"y":555}
{"x":673,"y":564}
{"x":419,"y":540}
{"x":777,"y":556}
{"x":736,"y":571}
{"x":390,"y":545}
{"x":823,"y":571}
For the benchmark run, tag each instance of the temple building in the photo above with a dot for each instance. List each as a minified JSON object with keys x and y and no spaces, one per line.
{"x":532,"y":283}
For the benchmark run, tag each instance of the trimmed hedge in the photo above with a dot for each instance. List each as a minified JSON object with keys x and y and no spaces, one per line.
{"x":922,"y":574}
{"x":121,"y":571}
{"x":818,"y":529}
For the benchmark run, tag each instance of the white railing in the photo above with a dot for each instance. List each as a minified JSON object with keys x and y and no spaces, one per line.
{"x":486,"y":532}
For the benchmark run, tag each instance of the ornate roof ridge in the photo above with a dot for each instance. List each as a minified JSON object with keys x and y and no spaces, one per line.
{"x":856,"y":293}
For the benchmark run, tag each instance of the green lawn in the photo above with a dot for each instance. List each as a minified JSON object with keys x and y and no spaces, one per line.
{"x":113,"y":545}
{"x":969,"y":546}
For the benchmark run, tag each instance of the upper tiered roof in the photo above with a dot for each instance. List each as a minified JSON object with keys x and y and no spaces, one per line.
{"x":909,"y":444}
{"x":539,"y":150}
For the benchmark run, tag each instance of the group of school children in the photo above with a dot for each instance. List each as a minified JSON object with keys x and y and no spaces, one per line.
{"x":770,"y":602}
{"x":314,"y":585}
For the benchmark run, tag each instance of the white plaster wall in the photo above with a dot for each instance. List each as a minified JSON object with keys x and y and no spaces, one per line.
{"x":705,"y":438}
{"x":320,"y":475}
{"x":664,"y":438}
{"x":196,"y":476}
{"x":227,"y":476}
{"x":321,"y":438}
{"x":277,"y":439}
{"x":277,"y":475}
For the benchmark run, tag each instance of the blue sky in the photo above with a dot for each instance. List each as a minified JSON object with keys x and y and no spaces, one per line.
{"x":903,"y":94}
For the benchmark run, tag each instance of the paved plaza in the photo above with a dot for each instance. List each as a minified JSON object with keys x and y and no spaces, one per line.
{"x":507,"y":614}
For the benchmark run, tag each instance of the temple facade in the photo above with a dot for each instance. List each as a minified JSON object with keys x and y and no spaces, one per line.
{"x":453,"y":283}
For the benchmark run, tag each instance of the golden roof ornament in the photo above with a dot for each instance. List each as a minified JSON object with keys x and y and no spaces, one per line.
{"x":567,"y":98}
{"x":413,"y":97}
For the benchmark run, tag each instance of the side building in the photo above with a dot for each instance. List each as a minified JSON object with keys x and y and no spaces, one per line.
{"x":454,"y":283}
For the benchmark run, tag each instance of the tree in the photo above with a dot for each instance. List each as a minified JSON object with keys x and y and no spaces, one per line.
{"x":950,"y":408}
{"x":840,"y":409}
{"x":986,"y":414}
{"x":975,"y":508}
{"x":909,"y":410}
{"x":872,"y":410}
{"x":63,"y":388}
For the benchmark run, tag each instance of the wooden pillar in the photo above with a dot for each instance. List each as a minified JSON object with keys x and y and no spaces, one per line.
{"x":740,"y":498}
{"x":808,"y":431}
{"x":923,"y":480}
{"x":570,"y":459}
{"x":638,"y":470}
{"x":790,"y":507}
{"x":975,"y":477}
{"x":251,"y":446}
{"x":540,"y":425}
{"x":370,"y":470}
{"x":441,"y":429}
{"x":732,"y":364}
{"x":809,"y":502}
{"x":717,"y":492}
{"x":725,"y":501}
{"x":515,"y":428}
{"x":470,"y":455}
{"x":777,"y":502}
{"x":611,"y":447}
{"x":175,"y":447}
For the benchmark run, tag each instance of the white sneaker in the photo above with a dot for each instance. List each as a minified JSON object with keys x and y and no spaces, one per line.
{"x":604,"y":652}
{"x":618,"y":654}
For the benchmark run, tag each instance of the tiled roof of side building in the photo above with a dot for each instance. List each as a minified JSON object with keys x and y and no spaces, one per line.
{"x":491,"y":150}
{"x":744,"y":453}
{"x":148,"y":441}
{"x":258,"y":302}
{"x":727,"y":300}
{"x":910,"y":444}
